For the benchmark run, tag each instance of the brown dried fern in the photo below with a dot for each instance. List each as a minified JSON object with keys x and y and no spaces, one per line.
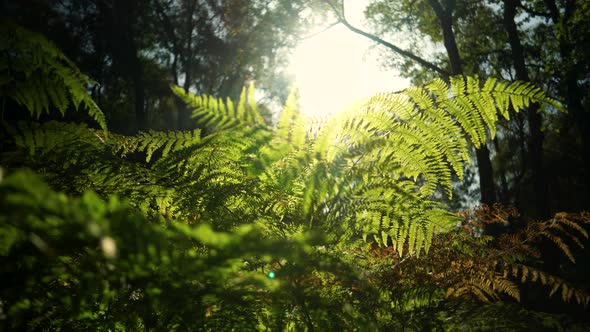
{"x":468,"y":264}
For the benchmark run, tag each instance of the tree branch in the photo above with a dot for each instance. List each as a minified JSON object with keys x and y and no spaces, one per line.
{"x":341,"y":19}
{"x":323,"y":30}
{"x":532,"y":11}
{"x":437,"y":7}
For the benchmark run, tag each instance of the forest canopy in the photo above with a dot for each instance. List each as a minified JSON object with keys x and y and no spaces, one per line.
{"x":145,"y":186}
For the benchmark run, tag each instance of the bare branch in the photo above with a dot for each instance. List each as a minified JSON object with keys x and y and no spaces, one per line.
{"x":533,"y":12}
{"x":321,"y":31}
{"x":429,"y":65}
{"x":339,"y":13}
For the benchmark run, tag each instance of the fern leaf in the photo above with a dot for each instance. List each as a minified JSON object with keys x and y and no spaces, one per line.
{"x":42,"y":77}
{"x":215,"y":115}
{"x":152,"y":140}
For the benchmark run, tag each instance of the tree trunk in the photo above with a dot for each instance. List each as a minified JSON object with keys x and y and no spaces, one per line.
{"x":125,"y":52}
{"x":572,"y":92}
{"x":539,"y":208}
{"x":445,"y":17}
{"x":139,"y":92}
{"x":169,"y":34}
{"x":485,"y":170}
{"x":184,"y":120}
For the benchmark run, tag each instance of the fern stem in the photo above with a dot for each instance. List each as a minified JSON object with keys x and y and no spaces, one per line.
{"x":304,"y":308}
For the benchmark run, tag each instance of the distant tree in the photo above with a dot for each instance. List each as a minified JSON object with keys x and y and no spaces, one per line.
{"x":217,"y":47}
{"x":208,"y":46}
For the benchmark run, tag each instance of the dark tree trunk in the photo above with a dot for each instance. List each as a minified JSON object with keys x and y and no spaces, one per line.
{"x":139,"y":89}
{"x":125,"y":52}
{"x":169,"y":34}
{"x":184,"y":121}
{"x":571,"y":89}
{"x":486,"y":176}
{"x":485,"y":170}
{"x":503,"y":192}
{"x":182,"y":114}
{"x":445,"y":16}
{"x":539,"y":208}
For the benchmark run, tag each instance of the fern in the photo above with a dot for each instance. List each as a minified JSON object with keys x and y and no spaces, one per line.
{"x":368,"y":174}
{"x":37,"y":75}
{"x":567,"y":226}
{"x":439,"y":115}
{"x":568,"y":292}
{"x":290,"y":135}
{"x":339,"y":210}
{"x":51,"y":137}
{"x":152,"y":140}
{"x":215,"y":114}
{"x":507,"y":262}
{"x":92,"y":162}
{"x":416,"y":138}
{"x":92,"y":260}
{"x":464,"y":265}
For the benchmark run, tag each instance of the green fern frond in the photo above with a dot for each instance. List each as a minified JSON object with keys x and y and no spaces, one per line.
{"x":434,"y":117}
{"x":215,"y":114}
{"x":253,"y":114}
{"x":153,"y":140}
{"x":394,"y":156}
{"x":53,"y":138}
{"x":37,"y":75}
{"x":420,"y":135}
{"x":291,"y":125}
{"x":290,"y":135}
{"x":76,"y":158}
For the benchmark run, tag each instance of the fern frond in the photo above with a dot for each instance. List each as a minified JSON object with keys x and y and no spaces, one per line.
{"x":53,"y":138}
{"x":153,"y":140}
{"x":290,"y":135}
{"x":432,"y":125}
{"x":417,"y":137}
{"x":568,"y":291}
{"x":215,"y":114}
{"x":76,"y":158}
{"x":37,"y":75}
{"x":468,"y":276}
{"x":561,"y":229}
{"x":291,"y":125}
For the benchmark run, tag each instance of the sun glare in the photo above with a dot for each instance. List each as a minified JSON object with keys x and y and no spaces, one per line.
{"x":334,"y":69}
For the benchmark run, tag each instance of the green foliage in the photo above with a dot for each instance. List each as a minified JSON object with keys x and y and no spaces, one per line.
{"x":102,"y":265}
{"x":38,"y":76}
{"x":401,"y":147}
{"x":215,"y":115}
{"x":383,"y":163}
{"x":152,"y":140}
{"x":180,"y":230}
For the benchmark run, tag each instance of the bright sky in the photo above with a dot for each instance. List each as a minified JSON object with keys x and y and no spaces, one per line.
{"x":335,"y":68}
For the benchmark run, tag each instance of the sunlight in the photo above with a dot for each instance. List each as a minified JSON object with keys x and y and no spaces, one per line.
{"x":335,"y":68}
